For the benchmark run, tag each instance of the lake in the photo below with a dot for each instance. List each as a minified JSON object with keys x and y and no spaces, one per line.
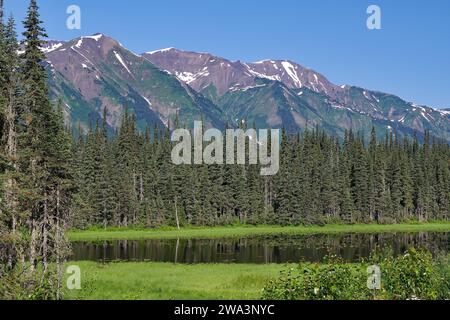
{"x":258,"y":249}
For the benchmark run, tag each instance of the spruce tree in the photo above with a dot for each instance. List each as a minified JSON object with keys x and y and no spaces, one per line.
{"x":46,"y":149}
{"x":10,"y":92}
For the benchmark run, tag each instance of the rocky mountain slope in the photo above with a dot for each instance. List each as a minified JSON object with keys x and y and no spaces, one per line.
{"x":277,"y":93}
{"x":92,"y":73}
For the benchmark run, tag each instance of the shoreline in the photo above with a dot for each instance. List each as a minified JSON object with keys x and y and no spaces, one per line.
{"x":247,"y":230}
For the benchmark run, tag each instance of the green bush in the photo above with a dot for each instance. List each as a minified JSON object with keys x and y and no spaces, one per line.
{"x":288,"y":286}
{"x":333,"y":280}
{"x":413,"y":275}
{"x":443,"y":266}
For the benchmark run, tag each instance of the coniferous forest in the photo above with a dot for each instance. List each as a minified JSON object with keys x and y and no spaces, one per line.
{"x":52,"y":180}
{"x":129,"y":180}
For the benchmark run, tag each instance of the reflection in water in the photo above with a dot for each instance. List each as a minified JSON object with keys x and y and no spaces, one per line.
{"x":262,"y":249}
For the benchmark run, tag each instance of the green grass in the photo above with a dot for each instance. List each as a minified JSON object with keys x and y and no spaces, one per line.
{"x":163,"y":281}
{"x":244,"y":231}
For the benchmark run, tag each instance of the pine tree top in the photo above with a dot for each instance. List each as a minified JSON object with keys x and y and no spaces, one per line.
{"x":34,"y":34}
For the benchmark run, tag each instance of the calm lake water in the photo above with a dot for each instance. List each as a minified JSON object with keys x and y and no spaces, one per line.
{"x":260,"y":249}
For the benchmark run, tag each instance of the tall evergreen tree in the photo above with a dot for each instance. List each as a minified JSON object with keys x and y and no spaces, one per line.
{"x":46,"y":149}
{"x":10,"y":92}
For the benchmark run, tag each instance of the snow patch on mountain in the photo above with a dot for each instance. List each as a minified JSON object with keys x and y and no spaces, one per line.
{"x":119,"y":57}
{"x":79,"y":43}
{"x":342,"y":107}
{"x":53,"y":47}
{"x":444,"y":112}
{"x":427,"y":116}
{"x":148,"y":101}
{"x":95,"y":37}
{"x":261,"y":61}
{"x":366,"y":95}
{"x":87,"y":60}
{"x":160,"y":50}
{"x":244,"y":89}
{"x":292,"y":73}
{"x":190,"y":77}
{"x":261,"y":75}
{"x":187,"y":77}
{"x":253,"y":87}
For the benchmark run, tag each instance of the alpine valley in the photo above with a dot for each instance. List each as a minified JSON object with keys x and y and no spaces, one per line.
{"x":93,"y":74}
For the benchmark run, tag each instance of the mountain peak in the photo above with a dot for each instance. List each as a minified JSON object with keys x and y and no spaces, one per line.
{"x":95,"y":38}
{"x":200,"y":70}
{"x":97,"y":45}
{"x":293,"y":75}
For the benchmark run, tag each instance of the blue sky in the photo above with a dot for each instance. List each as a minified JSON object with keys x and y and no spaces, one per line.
{"x":409,"y":57}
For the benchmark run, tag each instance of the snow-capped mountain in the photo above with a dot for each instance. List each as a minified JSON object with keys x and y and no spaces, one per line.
{"x":96,"y":72}
{"x":200,"y":70}
{"x":335,"y":107}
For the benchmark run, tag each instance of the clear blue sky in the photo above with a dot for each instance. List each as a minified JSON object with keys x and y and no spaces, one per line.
{"x":410,"y":56}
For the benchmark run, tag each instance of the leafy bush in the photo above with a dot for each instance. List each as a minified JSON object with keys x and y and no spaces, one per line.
{"x":413,"y":275}
{"x":288,"y":286}
{"x":333,"y":280}
{"x":443,"y":266}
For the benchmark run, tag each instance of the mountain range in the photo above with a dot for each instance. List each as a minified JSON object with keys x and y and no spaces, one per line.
{"x":96,"y":73}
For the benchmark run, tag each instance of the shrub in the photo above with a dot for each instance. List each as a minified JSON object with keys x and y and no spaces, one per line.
{"x":287,"y":286}
{"x":333,"y":280}
{"x":443,"y":267}
{"x":413,"y":275}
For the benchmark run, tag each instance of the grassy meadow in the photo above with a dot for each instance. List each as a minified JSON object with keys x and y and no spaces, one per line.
{"x":165,"y":281}
{"x":245,"y":231}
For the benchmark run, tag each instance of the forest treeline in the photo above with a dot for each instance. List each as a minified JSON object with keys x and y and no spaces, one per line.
{"x":129,"y":180}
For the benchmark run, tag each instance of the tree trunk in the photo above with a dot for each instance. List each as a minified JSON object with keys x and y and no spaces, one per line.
{"x":104,"y":217}
{"x":176,"y":214}
{"x":45,"y":223}
{"x":58,"y":245}
{"x":33,"y":246}
{"x":176,"y":250}
{"x":10,"y":184}
{"x":141,"y":189}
